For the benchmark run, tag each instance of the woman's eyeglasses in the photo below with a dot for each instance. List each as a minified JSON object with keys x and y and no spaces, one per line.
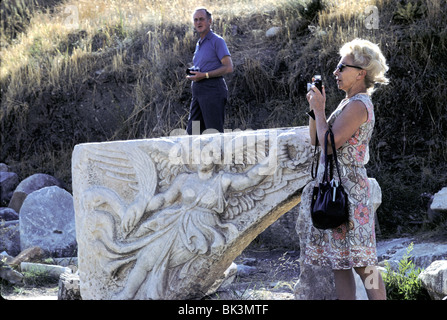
{"x":341,"y":66}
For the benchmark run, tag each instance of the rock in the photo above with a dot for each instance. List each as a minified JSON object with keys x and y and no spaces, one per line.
{"x":315,"y":283}
{"x":434,"y":279}
{"x":8,"y":214}
{"x":47,"y":269}
{"x":8,"y":182}
{"x":439,"y":203}
{"x":4,"y":167}
{"x":244,"y":270}
{"x":28,"y":255}
{"x":69,"y":287}
{"x":10,"y":237}
{"x":32,"y":183}
{"x":9,"y":274}
{"x":47,"y":220}
{"x":5,"y":257}
{"x":273,"y":32}
{"x":422,"y":255}
{"x":171,"y":214}
{"x":249,"y":261}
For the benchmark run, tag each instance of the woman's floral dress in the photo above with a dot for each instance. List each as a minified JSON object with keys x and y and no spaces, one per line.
{"x":351,"y":244}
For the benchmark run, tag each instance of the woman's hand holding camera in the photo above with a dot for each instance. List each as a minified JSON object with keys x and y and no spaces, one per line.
{"x":317,"y":100}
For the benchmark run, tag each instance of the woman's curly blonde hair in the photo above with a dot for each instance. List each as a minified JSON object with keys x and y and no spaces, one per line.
{"x":367,"y":55}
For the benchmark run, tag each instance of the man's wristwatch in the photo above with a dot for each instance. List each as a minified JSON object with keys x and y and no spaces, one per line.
{"x":207,"y":75}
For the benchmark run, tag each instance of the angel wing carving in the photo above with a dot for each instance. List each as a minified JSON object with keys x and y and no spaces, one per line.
{"x":240,"y":202}
{"x":124,"y":169}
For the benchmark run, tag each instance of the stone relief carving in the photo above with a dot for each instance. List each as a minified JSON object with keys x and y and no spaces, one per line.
{"x":152,"y":214}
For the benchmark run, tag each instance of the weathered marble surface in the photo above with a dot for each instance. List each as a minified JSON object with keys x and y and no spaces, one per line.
{"x":164,"y":218}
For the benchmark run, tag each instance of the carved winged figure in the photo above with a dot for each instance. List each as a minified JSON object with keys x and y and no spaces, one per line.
{"x":156,"y":237}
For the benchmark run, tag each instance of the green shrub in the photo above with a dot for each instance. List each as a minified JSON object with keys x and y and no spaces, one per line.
{"x":404,"y":284}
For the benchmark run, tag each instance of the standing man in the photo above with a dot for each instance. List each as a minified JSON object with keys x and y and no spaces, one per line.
{"x":211,"y":60}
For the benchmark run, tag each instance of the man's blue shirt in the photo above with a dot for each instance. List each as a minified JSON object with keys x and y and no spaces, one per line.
{"x":209,"y":52}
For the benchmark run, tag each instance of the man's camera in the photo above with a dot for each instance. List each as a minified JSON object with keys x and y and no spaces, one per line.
{"x":188,"y":70}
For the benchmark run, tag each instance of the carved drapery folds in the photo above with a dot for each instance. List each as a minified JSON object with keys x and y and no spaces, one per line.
{"x":163,"y":218}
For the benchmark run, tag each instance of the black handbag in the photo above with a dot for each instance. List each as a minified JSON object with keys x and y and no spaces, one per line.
{"x":330,"y":205}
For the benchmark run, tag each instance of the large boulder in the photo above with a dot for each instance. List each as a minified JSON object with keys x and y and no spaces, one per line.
{"x":29,"y":185}
{"x":165,"y":218}
{"x":434,"y":279}
{"x":47,"y":220}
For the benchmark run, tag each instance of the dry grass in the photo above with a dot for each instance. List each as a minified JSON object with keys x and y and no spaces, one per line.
{"x":78,"y":71}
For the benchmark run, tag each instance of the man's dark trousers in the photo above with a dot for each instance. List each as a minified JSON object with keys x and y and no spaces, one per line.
{"x":209,"y":97}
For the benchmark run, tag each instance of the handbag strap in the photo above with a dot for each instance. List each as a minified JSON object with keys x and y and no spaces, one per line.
{"x":326,"y":157}
{"x":316,"y":159}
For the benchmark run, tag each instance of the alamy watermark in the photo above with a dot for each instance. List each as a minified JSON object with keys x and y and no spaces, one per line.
{"x":251,"y":148}
{"x":373,"y":279}
{"x":372,"y":17}
{"x":71,"y":21}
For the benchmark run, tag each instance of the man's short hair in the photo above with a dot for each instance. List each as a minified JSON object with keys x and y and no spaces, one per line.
{"x":208,"y":14}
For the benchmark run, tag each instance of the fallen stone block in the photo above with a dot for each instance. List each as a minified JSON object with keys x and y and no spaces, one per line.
{"x":164,"y":218}
{"x":48,"y":269}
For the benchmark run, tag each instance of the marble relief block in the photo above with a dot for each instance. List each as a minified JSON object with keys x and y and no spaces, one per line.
{"x":164,"y":218}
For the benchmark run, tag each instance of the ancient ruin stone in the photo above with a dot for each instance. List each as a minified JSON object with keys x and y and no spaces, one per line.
{"x":164,"y":218}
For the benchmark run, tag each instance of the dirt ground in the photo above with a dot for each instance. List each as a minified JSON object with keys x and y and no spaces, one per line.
{"x":272,"y":276}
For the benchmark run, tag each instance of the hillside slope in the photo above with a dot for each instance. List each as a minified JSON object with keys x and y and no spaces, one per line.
{"x":124,"y":78}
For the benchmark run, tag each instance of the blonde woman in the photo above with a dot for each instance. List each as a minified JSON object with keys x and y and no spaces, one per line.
{"x":353,"y":244}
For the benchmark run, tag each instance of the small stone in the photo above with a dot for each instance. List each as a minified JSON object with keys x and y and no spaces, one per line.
{"x":69,"y":288}
{"x":273,"y":32}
